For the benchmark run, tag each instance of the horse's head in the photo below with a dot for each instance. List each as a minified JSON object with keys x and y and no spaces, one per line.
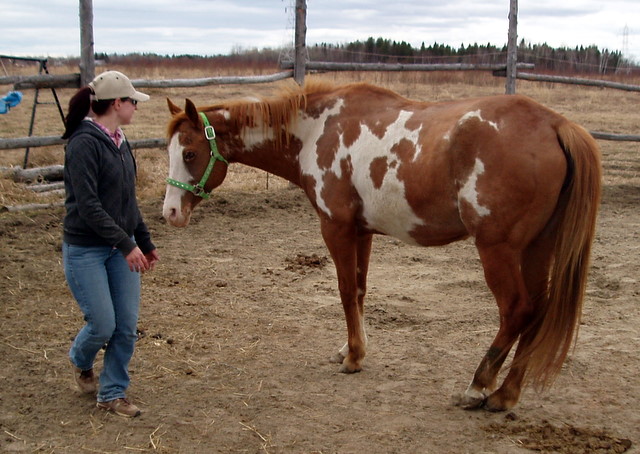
{"x":196,"y":160}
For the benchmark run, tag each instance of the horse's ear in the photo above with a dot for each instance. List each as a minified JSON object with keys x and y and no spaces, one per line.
{"x":192,"y":112}
{"x":175,"y":110}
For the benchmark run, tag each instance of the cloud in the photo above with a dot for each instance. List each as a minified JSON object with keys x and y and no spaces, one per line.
{"x":51,"y":28}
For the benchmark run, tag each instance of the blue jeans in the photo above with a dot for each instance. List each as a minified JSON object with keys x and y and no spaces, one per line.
{"x":108,"y":294}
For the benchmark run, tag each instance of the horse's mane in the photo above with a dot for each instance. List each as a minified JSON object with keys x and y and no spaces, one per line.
{"x":276,"y":113}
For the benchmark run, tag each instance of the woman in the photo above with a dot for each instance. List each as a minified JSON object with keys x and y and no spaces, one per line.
{"x":106,"y":244}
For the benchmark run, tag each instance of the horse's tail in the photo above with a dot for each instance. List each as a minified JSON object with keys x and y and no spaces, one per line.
{"x":575,"y":222}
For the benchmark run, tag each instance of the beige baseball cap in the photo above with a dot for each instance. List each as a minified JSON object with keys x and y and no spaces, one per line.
{"x":114,"y":85}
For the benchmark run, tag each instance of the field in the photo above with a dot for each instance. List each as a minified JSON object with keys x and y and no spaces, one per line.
{"x":240,"y":317}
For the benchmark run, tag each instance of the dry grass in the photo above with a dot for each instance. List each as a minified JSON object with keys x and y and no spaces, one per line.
{"x":596,"y":109}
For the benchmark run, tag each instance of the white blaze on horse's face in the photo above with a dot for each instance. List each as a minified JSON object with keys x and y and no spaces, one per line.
{"x":172,"y":210}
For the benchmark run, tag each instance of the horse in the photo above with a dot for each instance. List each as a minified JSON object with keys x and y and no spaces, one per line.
{"x":519,"y":179}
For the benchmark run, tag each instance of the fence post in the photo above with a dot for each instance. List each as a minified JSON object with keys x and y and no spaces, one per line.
{"x":512,"y":48}
{"x":87,"y":57}
{"x":300,"y":57}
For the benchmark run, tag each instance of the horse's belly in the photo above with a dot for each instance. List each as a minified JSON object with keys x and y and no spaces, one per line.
{"x":386,"y":210}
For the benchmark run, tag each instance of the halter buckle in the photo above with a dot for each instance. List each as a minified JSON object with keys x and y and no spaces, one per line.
{"x":209,"y":132}
{"x":199,"y":191}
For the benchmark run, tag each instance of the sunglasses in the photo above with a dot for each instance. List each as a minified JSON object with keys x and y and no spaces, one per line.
{"x":132,"y":101}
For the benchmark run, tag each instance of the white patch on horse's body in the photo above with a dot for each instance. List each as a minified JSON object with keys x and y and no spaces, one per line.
{"x":469,"y":192}
{"x":310,"y":130}
{"x":477,"y":114}
{"x":385,"y":209}
{"x":177,"y":171}
{"x":256,"y":136}
{"x":414,"y":137}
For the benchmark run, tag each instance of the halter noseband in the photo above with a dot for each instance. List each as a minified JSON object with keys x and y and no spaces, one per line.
{"x":198,"y":189}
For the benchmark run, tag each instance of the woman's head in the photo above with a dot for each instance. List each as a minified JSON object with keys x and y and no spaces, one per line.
{"x":112,"y":85}
{"x":111,"y":89}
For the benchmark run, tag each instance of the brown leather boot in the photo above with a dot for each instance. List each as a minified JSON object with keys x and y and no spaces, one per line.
{"x":87,"y":381}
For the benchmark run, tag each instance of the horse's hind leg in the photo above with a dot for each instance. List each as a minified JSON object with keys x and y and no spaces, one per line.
{"x":535,"y":268}
{"x":502,"y":269}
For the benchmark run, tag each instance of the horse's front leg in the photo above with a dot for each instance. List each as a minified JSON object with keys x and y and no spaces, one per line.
{"x":343,"y":244}
{"x":362,"y":268}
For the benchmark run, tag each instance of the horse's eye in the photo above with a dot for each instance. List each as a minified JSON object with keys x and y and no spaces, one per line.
{"x":189,"y":155}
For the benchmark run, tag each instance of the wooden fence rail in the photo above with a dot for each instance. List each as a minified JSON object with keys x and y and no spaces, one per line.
{"x":615,"y":137}
{"x":73,"y":81}
{"x":571,"y":80}
{"x":338,"y":66}
{"x":47,"y":141}
{"x":222,"y":80}
{"x":42,"y":81}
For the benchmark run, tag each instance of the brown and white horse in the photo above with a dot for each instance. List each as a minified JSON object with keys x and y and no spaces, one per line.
{"x":521,"y":180}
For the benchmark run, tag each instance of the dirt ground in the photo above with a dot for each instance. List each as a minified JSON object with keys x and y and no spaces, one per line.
{"x":240,"y":318}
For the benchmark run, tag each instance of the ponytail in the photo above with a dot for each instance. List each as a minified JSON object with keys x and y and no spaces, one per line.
{"x":79,"y":106}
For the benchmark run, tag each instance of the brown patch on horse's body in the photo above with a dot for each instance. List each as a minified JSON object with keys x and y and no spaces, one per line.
{"x":372,"y":161}
{"x":379,"y":167}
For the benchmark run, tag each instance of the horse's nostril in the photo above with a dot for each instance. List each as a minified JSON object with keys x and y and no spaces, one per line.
{"x":170,"y":214}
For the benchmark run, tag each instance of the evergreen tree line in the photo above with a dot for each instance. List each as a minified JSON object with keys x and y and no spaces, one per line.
{"x":581,"y":59}
{"x":586,"y":60}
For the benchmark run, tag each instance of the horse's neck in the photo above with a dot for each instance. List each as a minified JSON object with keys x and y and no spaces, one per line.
{"x":278,"y":157}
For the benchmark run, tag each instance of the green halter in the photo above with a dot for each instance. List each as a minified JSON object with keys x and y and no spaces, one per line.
{"x":198,"y":189}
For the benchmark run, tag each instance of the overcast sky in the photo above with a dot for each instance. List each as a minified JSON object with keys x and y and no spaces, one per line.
{"x":50,"y":28}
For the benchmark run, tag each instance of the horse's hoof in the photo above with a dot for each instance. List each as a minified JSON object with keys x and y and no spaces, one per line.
{"x":494,"y":408}
{"x":467,"y":402}
{"x":349,"y":369}
{"x":495,"y":403}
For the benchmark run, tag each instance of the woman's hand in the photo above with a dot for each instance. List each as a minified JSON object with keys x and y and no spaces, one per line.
{"x":137,"y":261}
{"x":152,"y":258}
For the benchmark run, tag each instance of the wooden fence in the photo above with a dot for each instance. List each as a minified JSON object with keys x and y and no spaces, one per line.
{"x":68,"y":81}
